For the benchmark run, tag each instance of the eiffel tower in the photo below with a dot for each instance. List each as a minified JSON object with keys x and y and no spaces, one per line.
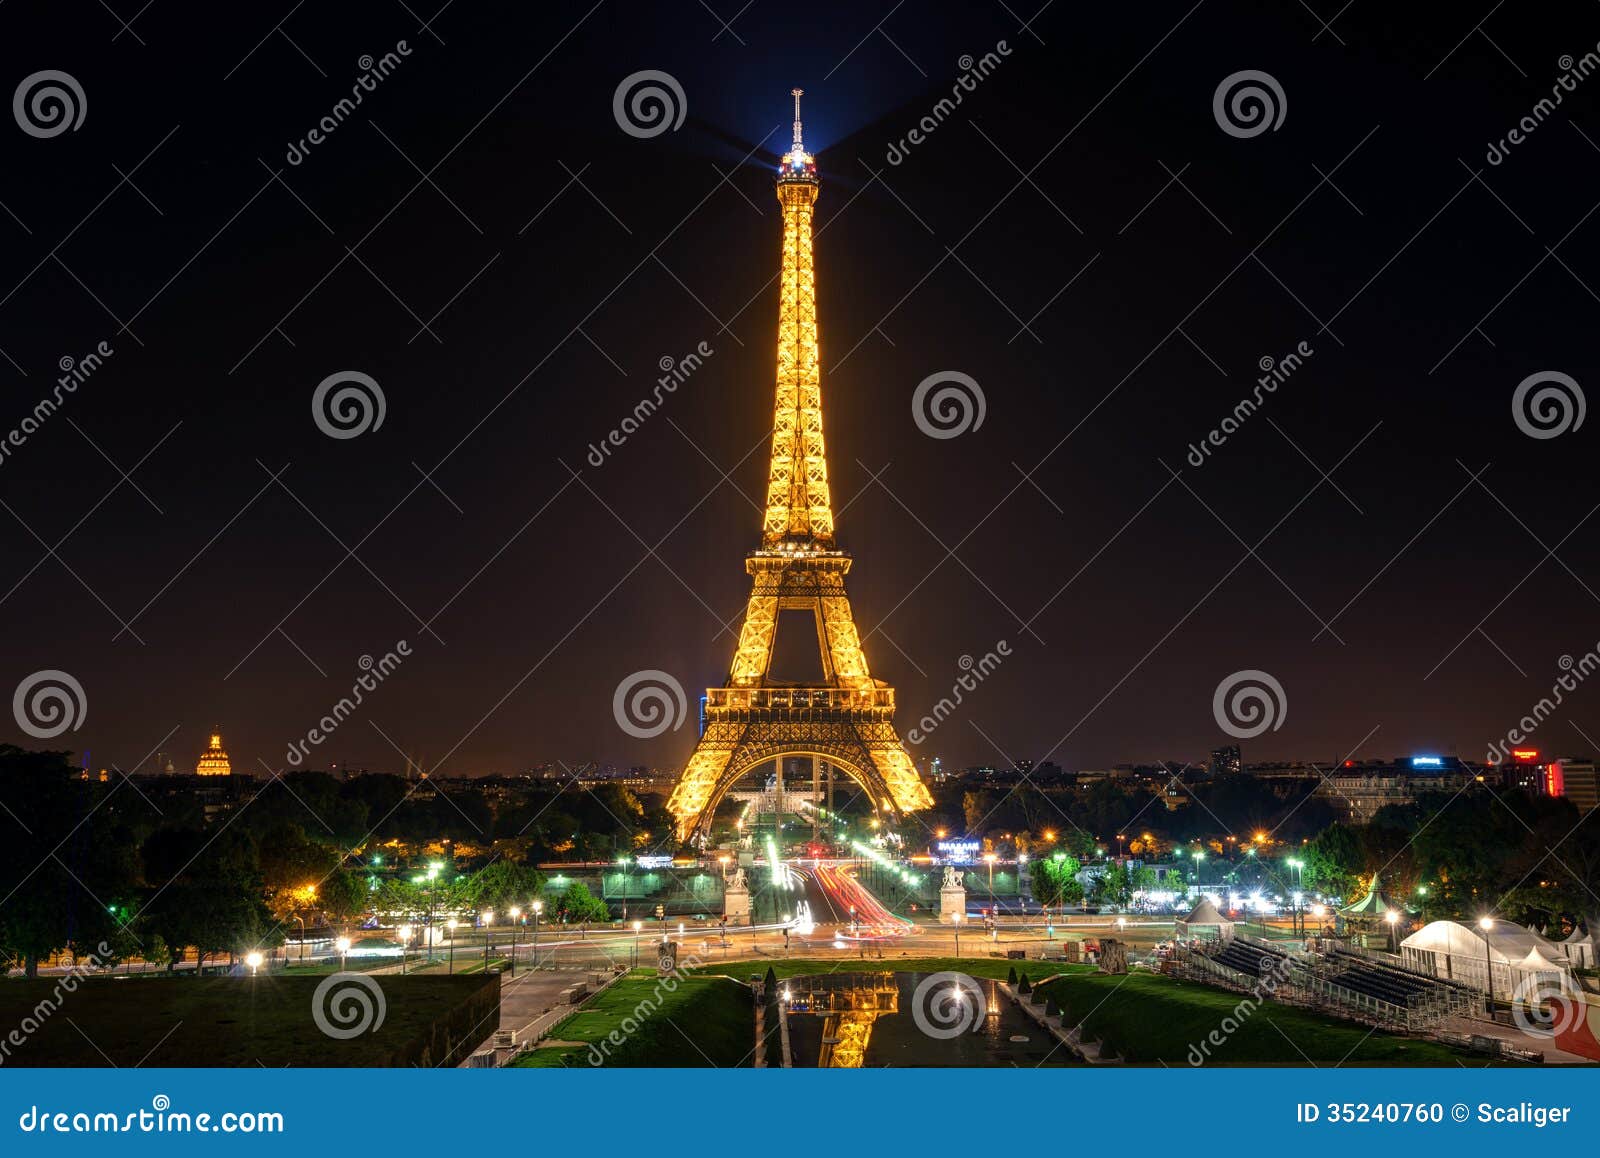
{"x":847,"y":719}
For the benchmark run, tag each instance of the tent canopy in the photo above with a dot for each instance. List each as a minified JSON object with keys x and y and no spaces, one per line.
{"x":1205,"y":913}
{"x":1509,"y":944}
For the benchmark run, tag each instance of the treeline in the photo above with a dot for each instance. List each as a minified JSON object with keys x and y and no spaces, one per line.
{"x":135,"y":868}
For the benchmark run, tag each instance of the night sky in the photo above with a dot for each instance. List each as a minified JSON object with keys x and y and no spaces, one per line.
{"x":483,"y":239}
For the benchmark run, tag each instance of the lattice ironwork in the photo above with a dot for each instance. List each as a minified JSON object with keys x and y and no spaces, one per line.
{"x":847,"y":720}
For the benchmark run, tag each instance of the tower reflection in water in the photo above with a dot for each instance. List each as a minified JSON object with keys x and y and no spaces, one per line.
{"x":849,"y":1004}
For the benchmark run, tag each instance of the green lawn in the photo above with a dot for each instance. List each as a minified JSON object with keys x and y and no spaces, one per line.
{"x":1151,"y":1019}
{"x":238,"y":1021}
{"x":640,"y":1021}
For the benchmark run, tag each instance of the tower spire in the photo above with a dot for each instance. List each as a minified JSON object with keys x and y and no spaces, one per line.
{"x":799,"y":512}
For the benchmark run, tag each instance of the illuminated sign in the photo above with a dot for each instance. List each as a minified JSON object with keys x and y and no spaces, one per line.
{"x":958,"y":851}
{"x":1525,"y":754}
{"x":1426,"y":762}
{"x":653,"y":862}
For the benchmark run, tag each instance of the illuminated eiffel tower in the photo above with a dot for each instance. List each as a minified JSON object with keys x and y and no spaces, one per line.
{"x":848,"y":718}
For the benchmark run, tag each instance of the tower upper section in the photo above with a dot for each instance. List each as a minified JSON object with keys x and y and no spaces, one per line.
{"x":799,"y":512}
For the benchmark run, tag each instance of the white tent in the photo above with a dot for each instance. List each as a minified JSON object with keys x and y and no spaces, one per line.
{"x":1579,"y":949}
{"x":1457,"y":951}
{"x":1205,"y":923}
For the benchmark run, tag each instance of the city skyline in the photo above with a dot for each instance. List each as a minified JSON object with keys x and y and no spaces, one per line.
{"x":254,"y":617}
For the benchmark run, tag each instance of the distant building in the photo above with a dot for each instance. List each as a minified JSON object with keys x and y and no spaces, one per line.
{"x":1577,"y":780}
{"x":214,"y":761}
{"x":1226,"y":761}
{"x":1357,"y":789}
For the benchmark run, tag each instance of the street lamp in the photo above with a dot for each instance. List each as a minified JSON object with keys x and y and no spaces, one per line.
{"x":451,"y":926}
{"x":1487,"y":923}
{"x":1319,"y":911}
{"x":302,"y":921}
{"x":343,"y":945}
{"x":637,"y":925}
{"x":955,"y":920}
{"x":405,"y":941}
{"x":538,"y":907}
{"x":1391,"y":917}
{"x":623,"y":861}
{"x":516,"y":922}
{"x":487,"y":917}
{"x":1299,"y":882}
{"x":253,"y":959}
{"x":990,"y":857}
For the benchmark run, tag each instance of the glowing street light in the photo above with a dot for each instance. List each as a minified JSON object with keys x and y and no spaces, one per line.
{"x":1486,"y":924}
{"x":343,"y":945}
{"x":253,"y":959}
{"x":1392,"y":918}
{"x":538,"y":907}
{"x":488,"y":916}
{"x":451,"y":926}
{"x":405,"y":942}
{"x":637,"y":925}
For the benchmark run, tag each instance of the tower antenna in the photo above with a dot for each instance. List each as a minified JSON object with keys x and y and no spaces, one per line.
{"x":797,"y":93}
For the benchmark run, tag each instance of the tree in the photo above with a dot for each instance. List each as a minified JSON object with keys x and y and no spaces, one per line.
{"x":1055,"y":880}
{"x":578,"y":904}
{"x":1115,"y":885}
{"x":344,"y":896}
{"x":58,"y":857}
{"x":502,"y":885}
